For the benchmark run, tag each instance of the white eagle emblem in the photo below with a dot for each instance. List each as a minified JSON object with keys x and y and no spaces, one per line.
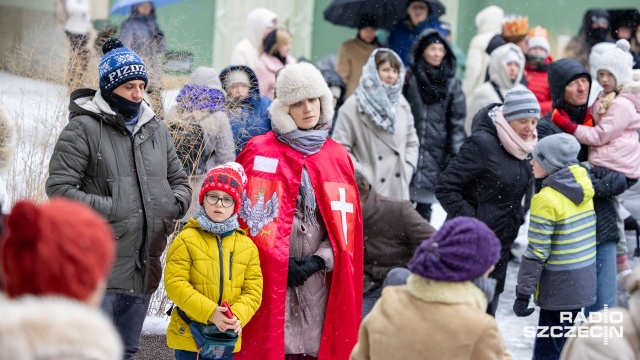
{"x":260,"y":214}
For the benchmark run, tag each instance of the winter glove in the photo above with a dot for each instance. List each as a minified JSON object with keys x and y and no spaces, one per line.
{"x":599,"y":171}
{"x":562,"y":120}
{"x":631,"y":224}
{"x":521,"y":305}
{"x":296,"y":276}
{"x":310,"y":264}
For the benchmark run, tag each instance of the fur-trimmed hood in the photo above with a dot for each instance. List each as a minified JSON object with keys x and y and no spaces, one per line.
{"x":449,"y":292}
{"x":294,"y":83}
{"x":8,"y":137}
{"x":631,"y":90}
{"x":37,"y":328}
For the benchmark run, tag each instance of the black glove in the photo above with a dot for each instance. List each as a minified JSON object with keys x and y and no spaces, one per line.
{"x":599,"y":171}
{"x":310,"y":264}
{"x":296,"y":275}
{"x":631,"y":224}
{"x":521,"y":305}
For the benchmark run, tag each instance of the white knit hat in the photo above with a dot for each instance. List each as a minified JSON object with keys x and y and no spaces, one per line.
{"x":618,"y":61}
{"x":539,"y":42}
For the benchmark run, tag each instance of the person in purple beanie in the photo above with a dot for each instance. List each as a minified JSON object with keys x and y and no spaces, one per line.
{"x":446,"y":297}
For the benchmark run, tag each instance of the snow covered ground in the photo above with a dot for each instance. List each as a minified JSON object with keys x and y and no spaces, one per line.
{"x":40,"y":110}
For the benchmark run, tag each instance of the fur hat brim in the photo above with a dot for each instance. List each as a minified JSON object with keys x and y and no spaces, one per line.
{"x":297,"y":82}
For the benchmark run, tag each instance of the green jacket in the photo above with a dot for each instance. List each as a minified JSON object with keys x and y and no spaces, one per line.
{"x":135,"y":181}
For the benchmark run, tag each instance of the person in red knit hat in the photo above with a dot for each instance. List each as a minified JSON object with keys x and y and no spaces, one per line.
{"x":55,"y":273}
{"x":212,"y":261}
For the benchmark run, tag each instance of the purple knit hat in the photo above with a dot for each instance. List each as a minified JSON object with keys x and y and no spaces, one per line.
{"x":463,"y":249}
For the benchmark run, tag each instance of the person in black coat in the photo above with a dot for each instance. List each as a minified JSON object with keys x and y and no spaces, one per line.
{"x":439,"y":110}
{"x":338,"y":88}
{"x":569,"y":83}
{"x":490,"y":179}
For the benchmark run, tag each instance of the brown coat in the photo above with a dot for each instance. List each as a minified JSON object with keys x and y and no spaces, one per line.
{"x":352,"y":56}
{"x":626,"y":347}
{"x":307,"y":304}
{"x":447,"y":320}
{"x":393,"y":230}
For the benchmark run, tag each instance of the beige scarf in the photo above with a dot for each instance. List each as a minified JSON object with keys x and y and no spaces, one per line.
{"x":511,"y":141}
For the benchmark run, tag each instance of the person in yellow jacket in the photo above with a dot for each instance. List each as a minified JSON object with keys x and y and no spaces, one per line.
{"x":210,"y":261}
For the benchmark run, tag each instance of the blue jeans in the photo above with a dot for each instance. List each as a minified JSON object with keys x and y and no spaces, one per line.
{"x":606,"y":283}
{"x":396,"y":276}
{"x":127,"y":313}
{"x":190,"y":355}
{"x":549,"y":348}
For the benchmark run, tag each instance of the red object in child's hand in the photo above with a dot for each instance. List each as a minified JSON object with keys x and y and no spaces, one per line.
{"x":562,"y":120}
{"x":228,"y":313}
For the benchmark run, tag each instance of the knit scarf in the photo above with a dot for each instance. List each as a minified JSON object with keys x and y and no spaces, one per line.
{"x":511,"y":141}
{"x":223,"y":229}
{"x":432,"y":81}
{"x":307,"y":142}
{"x":377,"y":99}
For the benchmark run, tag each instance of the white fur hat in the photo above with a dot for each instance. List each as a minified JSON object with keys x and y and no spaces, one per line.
{"x":618,"y":61}
{"x":297,"y":82}
{"x":539,"y":42}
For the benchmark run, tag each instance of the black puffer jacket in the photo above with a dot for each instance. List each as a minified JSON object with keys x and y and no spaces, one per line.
{"x":439,"y":111}
{"x":486,"y":182}
{"x":606,"y":183}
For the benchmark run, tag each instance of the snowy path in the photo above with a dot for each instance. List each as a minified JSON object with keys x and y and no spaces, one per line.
{"x":40,"y":109}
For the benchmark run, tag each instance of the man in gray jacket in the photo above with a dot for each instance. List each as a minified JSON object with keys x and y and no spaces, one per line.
{"x":118,"y":157}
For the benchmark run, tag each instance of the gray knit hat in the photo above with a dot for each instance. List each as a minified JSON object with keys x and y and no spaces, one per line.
{"x":520,"y":103}
{"x":556,"y":152}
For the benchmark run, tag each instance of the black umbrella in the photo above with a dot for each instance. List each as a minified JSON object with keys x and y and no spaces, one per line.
{"x":385,"y":12}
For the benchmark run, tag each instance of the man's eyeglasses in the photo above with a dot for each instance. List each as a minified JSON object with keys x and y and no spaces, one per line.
{"x":213,"y":200}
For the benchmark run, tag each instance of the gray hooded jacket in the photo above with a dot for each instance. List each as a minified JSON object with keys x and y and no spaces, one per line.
{"x":135,"y":181}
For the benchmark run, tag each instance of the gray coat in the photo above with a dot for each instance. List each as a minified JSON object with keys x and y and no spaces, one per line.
{"x":135,"y":181}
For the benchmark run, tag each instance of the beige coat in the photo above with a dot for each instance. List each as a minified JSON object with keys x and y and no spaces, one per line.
{"x":428,"y":319}
{"x":626,"y":347}
{"x":488,"y":24}
{"x":386,"y":160}
{"x":352,"y":56}
{"x":307,"y":304}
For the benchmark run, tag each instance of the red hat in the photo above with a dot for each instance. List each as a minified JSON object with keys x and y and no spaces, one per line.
{"x":229,"y":177}
{"x":58,"y":248}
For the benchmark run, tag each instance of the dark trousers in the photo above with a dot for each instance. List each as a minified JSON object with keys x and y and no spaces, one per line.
{"x":424,"y":210}
{"x":500,"y":274}
{"x":549,"y":348}
{"x":190,"y":355}
{"x":127,"y":313}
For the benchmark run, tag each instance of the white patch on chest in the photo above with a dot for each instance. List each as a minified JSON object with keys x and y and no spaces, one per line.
{"x":265,"y":164}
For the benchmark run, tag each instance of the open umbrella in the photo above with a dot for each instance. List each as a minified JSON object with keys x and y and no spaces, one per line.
{"x":386,"y":12}
{"x":123,"y":7}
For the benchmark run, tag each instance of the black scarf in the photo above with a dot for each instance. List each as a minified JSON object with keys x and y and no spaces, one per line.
{"x":432,"y":81}
{"x":576,"y":113}
{"x":128,"y":109}
{"x":535,"y":63}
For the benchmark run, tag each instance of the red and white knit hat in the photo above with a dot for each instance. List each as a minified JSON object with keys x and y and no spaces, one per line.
{"x":229,"y":177}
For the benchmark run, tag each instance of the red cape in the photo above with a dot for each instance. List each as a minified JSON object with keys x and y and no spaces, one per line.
{"x":273,"y":167}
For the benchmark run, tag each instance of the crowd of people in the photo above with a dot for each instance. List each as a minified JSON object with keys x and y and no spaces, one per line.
{"x":298,"y":200}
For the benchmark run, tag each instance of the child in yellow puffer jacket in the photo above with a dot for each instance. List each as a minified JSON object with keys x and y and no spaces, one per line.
{"x":211,"y":261}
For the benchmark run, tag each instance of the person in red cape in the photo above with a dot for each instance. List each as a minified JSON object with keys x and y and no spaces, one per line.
{"x":302,"y":209}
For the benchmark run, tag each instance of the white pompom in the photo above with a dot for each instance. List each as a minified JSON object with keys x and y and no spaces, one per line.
{"x":635,"y":75}
{"x":623,"y":45}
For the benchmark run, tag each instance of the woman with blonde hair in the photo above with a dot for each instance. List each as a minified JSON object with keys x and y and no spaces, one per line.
{"x":277,"y":46}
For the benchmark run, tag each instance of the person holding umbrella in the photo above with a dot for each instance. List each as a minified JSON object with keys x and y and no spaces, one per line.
{"x":354,"y":53}
{"x":421,"y":15}
{"x":141,"y":33}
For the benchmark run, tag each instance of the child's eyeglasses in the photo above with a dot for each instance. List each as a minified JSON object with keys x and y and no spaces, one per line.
{"x":213,"y":200}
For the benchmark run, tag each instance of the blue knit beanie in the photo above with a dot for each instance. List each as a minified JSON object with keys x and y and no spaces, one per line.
{"x":119,"y":65}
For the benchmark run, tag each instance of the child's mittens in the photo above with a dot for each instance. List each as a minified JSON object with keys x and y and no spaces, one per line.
{"x":521,"y":305}
{"x":562,"y":120}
